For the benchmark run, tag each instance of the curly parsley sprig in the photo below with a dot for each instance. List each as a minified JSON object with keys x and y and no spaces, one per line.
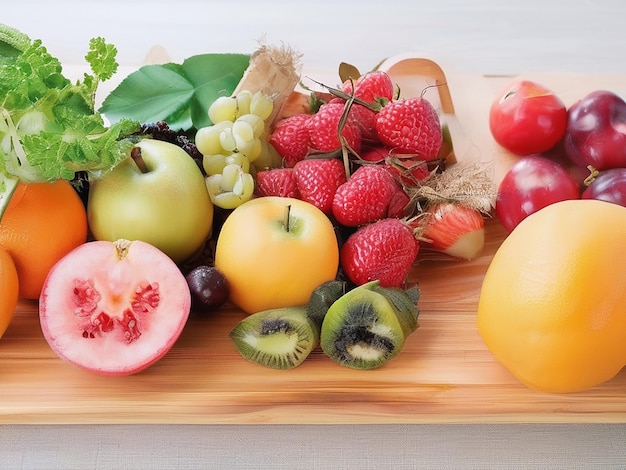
{"x":49,"y":128}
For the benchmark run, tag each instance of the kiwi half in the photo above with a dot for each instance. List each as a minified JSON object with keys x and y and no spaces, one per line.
{"x":322,"y":298}
{"x":368,"y":326}
{"x":280,"y":338}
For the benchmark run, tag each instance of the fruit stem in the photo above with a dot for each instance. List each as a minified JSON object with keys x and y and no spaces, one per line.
{"x":135,"y":154}
{"x":593,"y":173}
{"x":286,"y":216}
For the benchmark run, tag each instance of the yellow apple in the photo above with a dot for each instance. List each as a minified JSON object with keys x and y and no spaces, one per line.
{"x":274,"y":251}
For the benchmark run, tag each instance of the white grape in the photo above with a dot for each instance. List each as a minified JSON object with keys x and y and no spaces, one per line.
{"x":222,"y":109}
{"x":268,"y":156}
{"x":238,"y":159}
{"x":244,"y":186}
{"x":255,"y":121}
{"x":214,"y":164}
{"x":208,"y":138}
{"x":261,"y":105}
{"x":251,"y":149}
{"x":227,"y":140}
{"x":243,"y":189}
{"x":243,"y":131}
{"x":230,"y":173}
{"x":243,"y":98}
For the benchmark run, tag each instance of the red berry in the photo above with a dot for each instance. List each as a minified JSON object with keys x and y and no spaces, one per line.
{"x":317,"y":180}
{"x":384,"y":250}
{"x":371,"y":87}
{"x":277,"y":182}
{"x":410,"y":126}
{"x":290,"y":138}
{"x":324,"y":125}
{"x":365,"y":119}
{"x":407,"y":171}
{"x":398,"y":204}
{"x":374,"y":154}
{"x":365,"y":197}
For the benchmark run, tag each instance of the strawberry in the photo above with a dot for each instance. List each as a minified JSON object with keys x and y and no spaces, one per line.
{"x":365,"y":119}
{"x":290,"y":138}
{"x":324,"y":125}
{"x":398,"y":203}
{"x":384,"y":250}
{"x":277,"y":182}
{"x":374,"y":154}
{"x":410,"y":126}
{"x":317,"y":180}
{"x":365,"y":197}
{"x":455,"y":230}
{"x":370,"y":87}
{"x":407,"y":171}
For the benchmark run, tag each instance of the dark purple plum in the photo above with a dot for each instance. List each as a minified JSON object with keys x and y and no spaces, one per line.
{"x":209,"y":288}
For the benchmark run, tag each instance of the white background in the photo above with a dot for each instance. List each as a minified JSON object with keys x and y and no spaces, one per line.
{"x":478,"y":36}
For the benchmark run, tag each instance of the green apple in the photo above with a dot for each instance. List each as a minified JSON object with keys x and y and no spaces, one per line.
{"x":157,"y":195}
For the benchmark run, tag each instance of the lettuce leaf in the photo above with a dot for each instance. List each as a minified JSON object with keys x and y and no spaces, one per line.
{"x":48,"y":127}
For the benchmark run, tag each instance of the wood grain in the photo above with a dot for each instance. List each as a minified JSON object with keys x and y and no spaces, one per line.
{"x":444,"y":374}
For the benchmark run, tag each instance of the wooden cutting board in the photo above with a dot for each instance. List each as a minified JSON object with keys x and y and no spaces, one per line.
{"x":444,"y":374}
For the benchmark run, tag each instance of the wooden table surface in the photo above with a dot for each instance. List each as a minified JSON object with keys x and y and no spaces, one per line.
{"x":480,"y":45}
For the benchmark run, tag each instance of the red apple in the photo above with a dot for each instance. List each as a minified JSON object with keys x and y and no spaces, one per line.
{"x":596,"y":131}
{"x":527,"y":118}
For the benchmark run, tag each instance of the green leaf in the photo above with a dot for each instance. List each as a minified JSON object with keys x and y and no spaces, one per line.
{"x":212,"y":75}
{"x":152,"y":93}
{"x":102,"y":58}
{"x":179,"y":94}
{"x":12,"y":43}
{"x":48,"y":127}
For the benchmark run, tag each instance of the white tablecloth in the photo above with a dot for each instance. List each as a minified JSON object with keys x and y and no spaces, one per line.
{"x":482,"y":36}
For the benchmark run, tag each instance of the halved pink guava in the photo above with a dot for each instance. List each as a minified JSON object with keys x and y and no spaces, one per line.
{"x":114,"y":308}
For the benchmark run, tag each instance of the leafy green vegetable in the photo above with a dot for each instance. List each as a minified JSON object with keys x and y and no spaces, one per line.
{"x":48,"y":127}
{"x":179,"y":94}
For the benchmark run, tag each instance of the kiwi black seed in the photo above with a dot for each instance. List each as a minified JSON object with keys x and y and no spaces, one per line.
{"x":280,"y":338}
{"x":361,"y":330}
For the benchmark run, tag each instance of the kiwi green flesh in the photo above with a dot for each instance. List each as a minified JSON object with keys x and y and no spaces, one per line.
{"x":361,"y":330}
{"x":279,"y":338}
{"x":404,"y":303}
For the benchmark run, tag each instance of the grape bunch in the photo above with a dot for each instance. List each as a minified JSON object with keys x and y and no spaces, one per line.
{"x":235,"y":139}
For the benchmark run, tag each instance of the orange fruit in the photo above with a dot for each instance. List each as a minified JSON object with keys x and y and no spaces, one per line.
{"x":42,"y":223}
{"x":9,"y":289}
{"x":552,"y":305}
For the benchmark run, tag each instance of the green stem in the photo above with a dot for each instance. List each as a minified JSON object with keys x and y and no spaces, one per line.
{"x":7,"y":188}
